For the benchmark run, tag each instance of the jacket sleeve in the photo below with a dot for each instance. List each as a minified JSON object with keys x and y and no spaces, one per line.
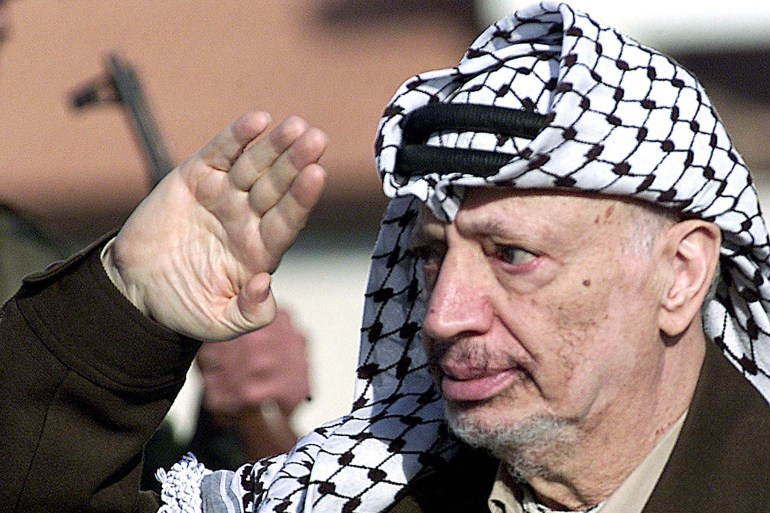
{"x":86,"y":379}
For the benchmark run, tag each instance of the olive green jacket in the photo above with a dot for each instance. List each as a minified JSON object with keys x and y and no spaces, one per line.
{"x":85,"y":379}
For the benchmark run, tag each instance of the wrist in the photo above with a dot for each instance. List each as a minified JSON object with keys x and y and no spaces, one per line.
{"x":113,"y":273}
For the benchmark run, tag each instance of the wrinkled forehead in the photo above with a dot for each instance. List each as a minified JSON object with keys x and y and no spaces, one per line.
{"x":490,"y":211}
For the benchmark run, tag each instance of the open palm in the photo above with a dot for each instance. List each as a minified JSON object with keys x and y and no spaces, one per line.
{"x":197,"y":254}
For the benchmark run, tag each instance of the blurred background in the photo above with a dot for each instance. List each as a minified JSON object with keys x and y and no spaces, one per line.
{"x":78,"y":172}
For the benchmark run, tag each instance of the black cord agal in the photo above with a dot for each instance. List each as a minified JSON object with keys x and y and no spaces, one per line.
{"x":417,"y":158}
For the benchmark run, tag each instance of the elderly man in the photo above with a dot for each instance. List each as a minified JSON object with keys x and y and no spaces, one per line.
{"x":572,"y":245}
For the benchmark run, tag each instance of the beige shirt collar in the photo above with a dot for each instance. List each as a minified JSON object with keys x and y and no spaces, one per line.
{"x":630,"y":497}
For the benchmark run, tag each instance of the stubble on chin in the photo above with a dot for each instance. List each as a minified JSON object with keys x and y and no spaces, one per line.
{"x":533,"y":447}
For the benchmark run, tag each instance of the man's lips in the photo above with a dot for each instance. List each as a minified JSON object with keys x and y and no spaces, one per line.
{"x":474,"y":384}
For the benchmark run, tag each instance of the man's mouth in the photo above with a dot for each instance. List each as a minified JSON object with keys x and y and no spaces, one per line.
{"x":460,"y":383}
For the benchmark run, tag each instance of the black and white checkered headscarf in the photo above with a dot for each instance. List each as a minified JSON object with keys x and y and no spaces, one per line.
{"x":602,"y":114}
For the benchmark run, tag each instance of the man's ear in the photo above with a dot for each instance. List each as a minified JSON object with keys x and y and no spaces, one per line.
{"x":692,"y":249}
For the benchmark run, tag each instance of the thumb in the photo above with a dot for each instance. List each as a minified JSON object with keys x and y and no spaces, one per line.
{"x":256,"y":304}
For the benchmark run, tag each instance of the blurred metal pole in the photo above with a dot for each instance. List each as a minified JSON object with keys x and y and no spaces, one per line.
{"x":122,"y":86}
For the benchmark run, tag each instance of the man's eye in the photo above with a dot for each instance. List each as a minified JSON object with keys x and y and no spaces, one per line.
{"x":513,"y":255}
{"x":429,"y":254}
{"x":430,"y":257}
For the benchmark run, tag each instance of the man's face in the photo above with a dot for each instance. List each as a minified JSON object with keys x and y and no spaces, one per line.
{"x":540,"y":307}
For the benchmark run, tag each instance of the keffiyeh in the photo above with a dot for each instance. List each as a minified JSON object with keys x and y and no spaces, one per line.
{"x":615,"y":118}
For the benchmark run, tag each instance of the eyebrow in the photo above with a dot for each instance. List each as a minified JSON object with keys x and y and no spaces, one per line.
{"x":488,"y":226}
{"x":497,"y":224}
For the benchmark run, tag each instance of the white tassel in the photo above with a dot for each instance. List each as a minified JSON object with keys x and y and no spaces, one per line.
{"x":181,"y":486}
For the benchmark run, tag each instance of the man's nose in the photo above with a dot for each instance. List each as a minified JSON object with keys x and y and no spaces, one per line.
{"x":459,"y":303}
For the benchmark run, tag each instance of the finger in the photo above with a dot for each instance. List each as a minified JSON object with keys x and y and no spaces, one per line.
{"x":228,"y":145}
{"x":281,"y":225}
{"x":269,"y":188}
{"x":259,"y":157}
{"x":255,"y":303}
{"x":294,"y":209}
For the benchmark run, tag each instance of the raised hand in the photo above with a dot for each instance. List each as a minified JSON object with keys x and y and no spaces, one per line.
{"x":197,"y":254}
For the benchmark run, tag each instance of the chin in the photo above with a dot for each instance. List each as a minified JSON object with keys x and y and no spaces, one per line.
{"x":528,"y":444}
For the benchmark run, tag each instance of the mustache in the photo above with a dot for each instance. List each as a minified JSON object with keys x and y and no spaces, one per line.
{"x":466,"y":352}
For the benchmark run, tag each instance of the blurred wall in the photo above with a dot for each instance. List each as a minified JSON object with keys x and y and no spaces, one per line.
{"x":202,"y":64}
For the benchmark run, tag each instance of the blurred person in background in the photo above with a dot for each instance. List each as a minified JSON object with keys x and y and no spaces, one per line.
{"x":24,"y":245}
{"x":254,"y":383}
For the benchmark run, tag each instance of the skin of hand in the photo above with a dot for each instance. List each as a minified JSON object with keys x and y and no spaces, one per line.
{"x":269,"y":364}
{"x":197,"y":253}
